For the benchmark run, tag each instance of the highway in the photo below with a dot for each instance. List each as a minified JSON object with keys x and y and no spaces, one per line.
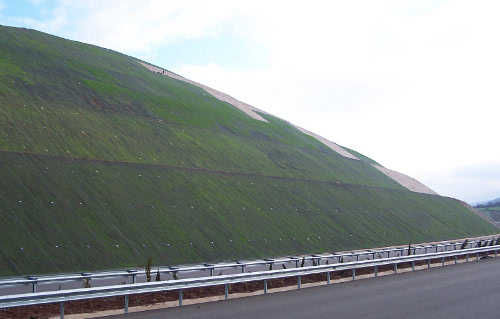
{"x":467,"y":290}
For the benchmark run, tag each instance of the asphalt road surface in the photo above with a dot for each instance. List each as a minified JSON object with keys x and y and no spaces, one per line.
{"x":468,"y":290}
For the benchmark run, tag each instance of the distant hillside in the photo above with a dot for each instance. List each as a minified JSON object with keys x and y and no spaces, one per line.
{"x":486,"y":203}
{"x":490,"y":209}
{"x":104,"y":163}
{"x":493,"y":202}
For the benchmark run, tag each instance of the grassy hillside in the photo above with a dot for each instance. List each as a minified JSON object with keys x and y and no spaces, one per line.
{"x":104,"y":163}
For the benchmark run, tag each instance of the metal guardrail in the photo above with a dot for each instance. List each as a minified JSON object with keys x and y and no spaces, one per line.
{"x":315,"y":259}
{"x":138,"y":288}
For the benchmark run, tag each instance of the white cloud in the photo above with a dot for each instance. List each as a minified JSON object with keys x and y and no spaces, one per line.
{"x":130,"y":26}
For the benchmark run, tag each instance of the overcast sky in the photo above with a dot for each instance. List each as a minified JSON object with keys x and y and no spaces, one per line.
{"x":412,"y":84}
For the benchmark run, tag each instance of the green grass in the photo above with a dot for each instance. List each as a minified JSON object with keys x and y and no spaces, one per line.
{"x":33,"y":126}
{"x":56,"y":201}
{"x":104,"y":163}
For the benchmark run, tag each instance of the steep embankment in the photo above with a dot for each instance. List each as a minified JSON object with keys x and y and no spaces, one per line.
{"x":104,"y":163}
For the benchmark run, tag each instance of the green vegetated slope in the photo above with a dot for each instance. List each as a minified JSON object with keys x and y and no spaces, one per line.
{"x":104,"y":163}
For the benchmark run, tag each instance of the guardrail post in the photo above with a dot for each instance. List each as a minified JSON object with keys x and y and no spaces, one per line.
{"x":265,"y":286}
{"x":477,"y":256}
{"x":180,"y":297}
{"x":442,"y":261}
{"x":270,"y":262}
{"x":455,"y":259}
{"x":226,"y":291}
{"x":211,"y":271}
{"x":395,"y":268}
{"x":428,"y":263}
{"x":353,"y":274}
{"x":126,"y":304}
{"x":327,"y":277}
{"x":376,"y":271}
{"x":61,"y":311}
{"x":495,"y":253}
{"x":466,"y":258}
{"x":298,"y":282}
{"x":34,"y":283}
{"x":242,"y":269}
{"x":413,"y":265}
